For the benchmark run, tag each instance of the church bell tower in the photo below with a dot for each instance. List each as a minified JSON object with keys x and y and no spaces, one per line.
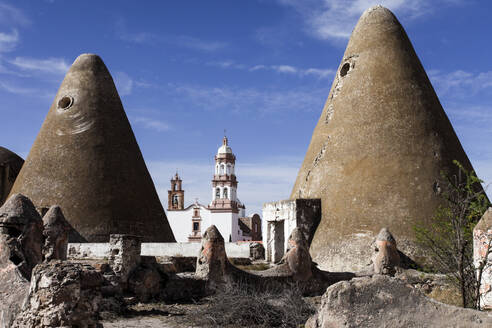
{"x":175,"y":196}
{"x":224,"y":183}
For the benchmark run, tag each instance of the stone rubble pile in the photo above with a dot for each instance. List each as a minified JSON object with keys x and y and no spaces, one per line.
{"x":62,"y":294}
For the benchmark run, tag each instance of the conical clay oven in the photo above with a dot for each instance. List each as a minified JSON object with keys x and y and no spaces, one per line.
{"x":86,"y":159}
{"x":377,"y":151}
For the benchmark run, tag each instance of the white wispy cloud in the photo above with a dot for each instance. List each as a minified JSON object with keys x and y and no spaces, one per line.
{"x":282,"y":69}
{"x":268,"y":179}
{"x":226,"y":64}
{"x":50,"y":65}
{"x":198,"y":44}
{"x":460,"y":83}
{"x":18,"y":90}
{"x":123,"y":82}
{"x":186,"y":41}
{"x":8,"y":41}
{"x":253,"y":99}
{"x":10,"y":15}
{"x":335,"y":19}
{"x":150,"y":123}
{"x":285,"y":69}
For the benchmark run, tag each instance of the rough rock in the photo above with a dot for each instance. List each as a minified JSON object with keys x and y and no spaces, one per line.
{"x":377,"y":152}
{"x":383,"y":301}
{"x":86,"y":159}
{"x":386,"y":258}
{"x":62,"y":294}
{"x":21,"y":237}
{"x":146,"y":280}
{"x":183,"y":287}
{"x":434,"y":285}
{"x":21,"y":241}
{"x":124,"y":255}
{"x":56,"y":229}
{"x":296,"y":263}
{"x":297,"y":256}
{"x":212,"y":261}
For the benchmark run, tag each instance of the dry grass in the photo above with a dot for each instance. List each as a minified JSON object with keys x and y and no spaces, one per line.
{"x":242,"y":305}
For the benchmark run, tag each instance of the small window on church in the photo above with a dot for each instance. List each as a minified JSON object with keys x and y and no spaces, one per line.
{"x":225,"y":193}
{"x":175,"y":200}
{"x":217,"y":193}
{"x":196,"y":226}
{"x":196,"y":213}
{"x":222,"y":169}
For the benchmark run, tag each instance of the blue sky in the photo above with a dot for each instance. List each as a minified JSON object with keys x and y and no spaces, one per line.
{"x":187,"y":70}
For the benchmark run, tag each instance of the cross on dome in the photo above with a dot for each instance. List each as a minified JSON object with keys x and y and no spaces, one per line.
{"x":224,"y":149}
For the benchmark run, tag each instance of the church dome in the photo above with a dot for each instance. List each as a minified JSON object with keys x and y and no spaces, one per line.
{"x":224,"y":149}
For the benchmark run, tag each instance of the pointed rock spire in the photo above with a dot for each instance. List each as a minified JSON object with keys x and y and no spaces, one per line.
{"x":86,"y":159}
{"x":378,"y":148}
{"x":212,"y":262}
{"x":56,"y":230}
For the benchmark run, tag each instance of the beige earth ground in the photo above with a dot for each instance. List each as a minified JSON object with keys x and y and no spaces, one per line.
{"x":159,"y":315}
{"x":155,"y":315}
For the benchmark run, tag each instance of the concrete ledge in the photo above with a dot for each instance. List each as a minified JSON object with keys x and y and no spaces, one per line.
{"x":101,"y":250}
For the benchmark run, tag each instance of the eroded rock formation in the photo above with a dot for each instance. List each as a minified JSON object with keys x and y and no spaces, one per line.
{"x":21,"y":234}
{"x":21,"y":242}
{"x":377,"y":152}
{"x":212,"y":263}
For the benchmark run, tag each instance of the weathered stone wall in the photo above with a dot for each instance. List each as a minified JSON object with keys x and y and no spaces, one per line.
{"x":482,"y":240}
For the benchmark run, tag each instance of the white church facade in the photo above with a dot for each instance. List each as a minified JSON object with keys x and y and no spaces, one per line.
{"x":225,"y":211}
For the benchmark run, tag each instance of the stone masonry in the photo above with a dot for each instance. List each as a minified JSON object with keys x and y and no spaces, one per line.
{"x":124,"y":254}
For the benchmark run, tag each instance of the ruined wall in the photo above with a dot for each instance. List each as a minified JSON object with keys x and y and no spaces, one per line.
{"x":101,"y":250}
{"x":280,"y":218}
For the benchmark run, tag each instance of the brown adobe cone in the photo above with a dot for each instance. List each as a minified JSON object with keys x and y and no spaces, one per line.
{"x":10,"y":165}
{"x":86,"y":160}
{"x":377,"y":151}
